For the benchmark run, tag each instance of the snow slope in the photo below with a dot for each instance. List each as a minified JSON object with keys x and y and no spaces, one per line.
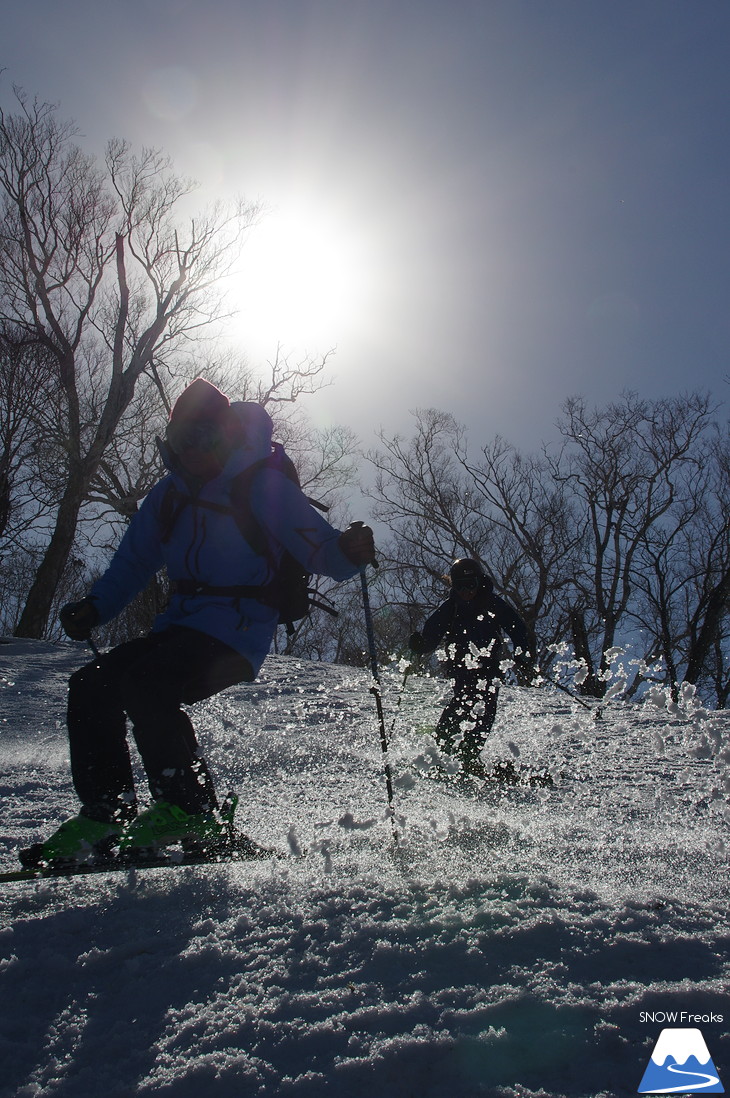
{"x":512,"y":947}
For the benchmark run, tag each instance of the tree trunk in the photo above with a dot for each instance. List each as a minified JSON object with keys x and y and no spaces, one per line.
{"x":37,"y":610}
{"x":591,"y":686}
{"x":709,"y":630}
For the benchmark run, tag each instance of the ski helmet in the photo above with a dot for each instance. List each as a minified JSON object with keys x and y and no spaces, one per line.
{"x":467,"y":574}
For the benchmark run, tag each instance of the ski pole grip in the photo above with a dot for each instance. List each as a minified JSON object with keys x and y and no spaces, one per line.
{"x":354,"y":524}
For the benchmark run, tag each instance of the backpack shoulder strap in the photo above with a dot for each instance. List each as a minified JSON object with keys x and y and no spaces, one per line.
{"x":241,"y":509}
{"x":174,"y":501}
{"x":249,"y":526}
{"x":171,"y":507}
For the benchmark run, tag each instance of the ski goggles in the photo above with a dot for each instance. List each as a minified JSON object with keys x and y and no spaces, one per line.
{"x":201,"y":434}
{"x":466,"y":583}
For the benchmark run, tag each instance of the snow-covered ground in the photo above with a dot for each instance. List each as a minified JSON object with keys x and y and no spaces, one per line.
{"x":512,"y":946}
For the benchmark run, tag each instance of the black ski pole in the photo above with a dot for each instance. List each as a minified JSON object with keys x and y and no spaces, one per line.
{"x":554,"y":682}
{"x":409,"y":670}
{"x":375,"y":691}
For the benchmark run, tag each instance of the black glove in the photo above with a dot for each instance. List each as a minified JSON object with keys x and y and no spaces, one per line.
{"x":415,"y":643}
{"x":79,"y":618}
{"x":358,"y":544}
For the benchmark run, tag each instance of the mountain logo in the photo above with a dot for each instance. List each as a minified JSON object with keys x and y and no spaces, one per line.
{"x":680,"y":1064}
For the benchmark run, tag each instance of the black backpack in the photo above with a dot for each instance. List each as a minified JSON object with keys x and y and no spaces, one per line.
{"x":289,"y":591}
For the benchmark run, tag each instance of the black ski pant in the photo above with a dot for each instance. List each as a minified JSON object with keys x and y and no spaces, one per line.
{"x":147,"y":680}
{"x":467,"y":720}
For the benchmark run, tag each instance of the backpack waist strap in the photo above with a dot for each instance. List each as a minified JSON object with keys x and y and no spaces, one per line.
{"x":191,"y":588}
{"x":266,"y":593}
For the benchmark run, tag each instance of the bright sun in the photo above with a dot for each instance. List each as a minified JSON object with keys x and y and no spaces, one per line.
{"x":304,"y":278}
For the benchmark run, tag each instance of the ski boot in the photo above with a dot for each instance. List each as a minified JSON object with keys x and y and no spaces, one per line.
{"x":166,"y":824}
{"x":77,"y":841}
{"x":504,"y":772}
{"x":473,"y":768}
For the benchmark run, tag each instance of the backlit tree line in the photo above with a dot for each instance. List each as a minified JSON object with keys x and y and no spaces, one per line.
{"x":614,"y":539}
{"x":613,"y":544}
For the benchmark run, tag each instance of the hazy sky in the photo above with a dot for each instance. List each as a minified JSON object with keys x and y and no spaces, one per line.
{"x":485,"y":206}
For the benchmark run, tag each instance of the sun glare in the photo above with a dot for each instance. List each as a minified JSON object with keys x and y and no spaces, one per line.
{"x":303,"y":279}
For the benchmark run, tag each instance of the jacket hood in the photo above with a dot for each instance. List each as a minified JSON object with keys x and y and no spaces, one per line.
{"x":253,"y":431}
{"x":201,"y":400}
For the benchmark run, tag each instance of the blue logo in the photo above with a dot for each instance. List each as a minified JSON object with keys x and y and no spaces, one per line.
{"x":681,"y":1064}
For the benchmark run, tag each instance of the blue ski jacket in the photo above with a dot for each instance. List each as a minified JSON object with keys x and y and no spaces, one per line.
{"x":206,"y":545}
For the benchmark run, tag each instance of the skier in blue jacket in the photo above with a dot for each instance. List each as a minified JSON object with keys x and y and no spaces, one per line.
{"x":216,"y":630}
{"x":469,"y":626}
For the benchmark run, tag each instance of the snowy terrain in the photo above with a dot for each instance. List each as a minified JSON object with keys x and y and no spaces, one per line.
{"x":512,"y":947}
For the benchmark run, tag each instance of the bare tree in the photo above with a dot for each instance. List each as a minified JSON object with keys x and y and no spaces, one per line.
{"x":424,"y":496}
{"x":709,"y":625}
{"x":25,"y":377}
{"x":535,"y":522}
{"x":27,"y":499}
{"x":683,"y":579}
{"x":670,"y":566}
{"x":619,"y":533}
{"x":95,"y":268}
{"x":503,"y":509}
{"x":626,"y":466}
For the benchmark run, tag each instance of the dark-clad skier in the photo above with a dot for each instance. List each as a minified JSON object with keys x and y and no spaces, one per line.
{"x":216,"y":630}
{"x":469,"y":626}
